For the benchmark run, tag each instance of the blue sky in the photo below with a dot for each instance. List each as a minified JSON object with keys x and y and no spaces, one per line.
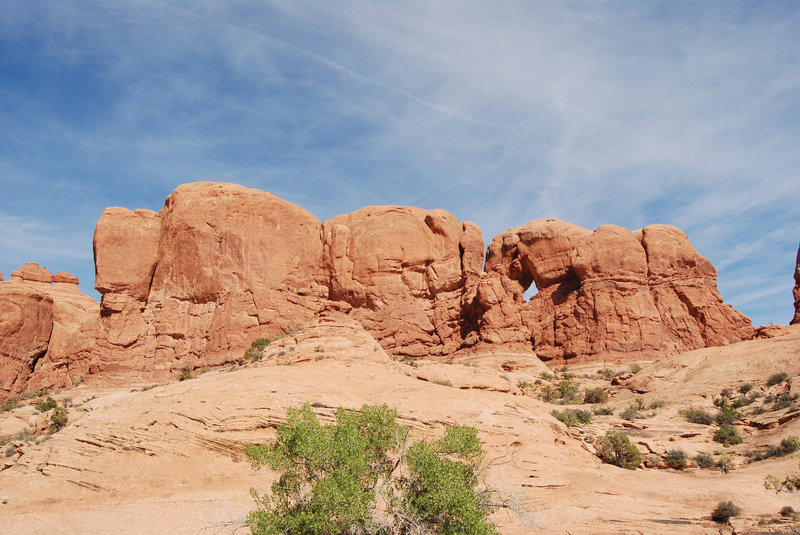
{"x":501,"y":112}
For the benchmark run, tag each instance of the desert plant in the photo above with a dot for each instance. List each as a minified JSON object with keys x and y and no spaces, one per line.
{"x":567,"y":391}
{"x":570,"y":417}
{"x":727,"y":414}
{"x":787,"y":511}
{"x":606,"y":373}
{"x":58,"y":419}
{"x":704,"y":460}
{"x":777,"y":378}
{"x":676,"y":459}
{"x":603,"y":411}
{"x":635,"y":368}
{"x":255,"y":352}
{"x":631,"y":413}
{"x":595,"y":395}
{"x":725,"y":511}
{"x":657,"y":404}
{"x":186,"y":373}
{"x":697,"y":416}
{"x":727,"y":435}
{"x":790,"y":444}
{"x":45,"y":405}
{"x":745,"y":388}
{"x":617,"y":449}
{"x":333,"y":477}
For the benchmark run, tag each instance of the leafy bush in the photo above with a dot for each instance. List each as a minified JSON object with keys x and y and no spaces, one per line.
{"x":567,"y":391}
{"x":631,"y":413}
{"x":657,"y":404}
{"x":704,"y":460}
{"x":790,"y":444}
{"x":727,"y":435}
{"x":635,"y":368}
{"x":745,"y":388}
{"x":727,"y":414}
{"x":333,"y":477}
{"x":724,"y":512}
{"x":603,"y":411}
{"x":676,"y":459}
{"x":697,"y":416}
{"x":570,"y":417}
{"x":58,"y":419}
{"x":595,"y":395}
{"x":777,"y":378}
{"x":787,"y":511}
{"x":11,"y":403}
{"x":606,"y":373}
{"x":186,"y":373}
{"x":45,"y":405}
{"x":617,"y":449}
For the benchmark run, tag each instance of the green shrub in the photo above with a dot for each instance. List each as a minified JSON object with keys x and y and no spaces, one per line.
{"x":595,"y":395}
{"x":570,"y":417}
{"x":631,"y":413}
{"x":704,"y":460}
{"x":777,"y":378}
{"x":255,"y":352}
{"x":45,"y":405}
{"x":697,"y":416}
{"x":635,"y":368}
{"x":676,"y":459}
{"x":186,"y":373}
{"x":603,"y":411}
{"x":724,"y":512}
{"x":657,"y":404}
{"x":567,"y":391}
{"x":745,"y":388}
{"x":617,"y":449}
{"x":727,"y":414}
{"x":606,"y":373}
{"x":727,"y":435}
{"x":787,"y":511}
{"x":58,"y":419}
{"x":11,"y":403}
{"x":790,"y":444}
{"x":332,"y":477}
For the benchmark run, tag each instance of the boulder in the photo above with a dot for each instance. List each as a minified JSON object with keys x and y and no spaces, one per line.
{"x":47,"y":332}
{"x":404,"y":272}
{"x":611,"y":293}
{"x":796,"y":291}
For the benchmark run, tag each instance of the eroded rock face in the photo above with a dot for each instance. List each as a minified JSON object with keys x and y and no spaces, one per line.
{"x":404,"y":272}
{"x":796,"y":291}
{"x":219,"y":266}
{"x":47,"y":331}
{"x":611,"y":293}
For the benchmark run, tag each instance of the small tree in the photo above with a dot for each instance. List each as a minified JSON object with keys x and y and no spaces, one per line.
{"x":617,"y":449}
{"x":358,"y":476}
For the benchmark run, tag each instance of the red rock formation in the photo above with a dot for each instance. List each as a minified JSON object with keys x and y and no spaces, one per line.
{"x":219,"y":266}
{"x":796,"y":291}
{"x":403,"y":271}
{"x":47,"y":331}
{"x":608,"y":293}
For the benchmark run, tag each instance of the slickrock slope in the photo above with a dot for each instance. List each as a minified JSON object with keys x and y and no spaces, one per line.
{"x":796,"y":292}
{"x":47,"y":330}
{"x":173,"y":454}
{"x":611,"y":293}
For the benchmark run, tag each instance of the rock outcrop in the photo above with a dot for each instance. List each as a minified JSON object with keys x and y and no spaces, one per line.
{"x":217,"y":267}
{"x":611,"y":293}
{"x":796,"y":291}
{"x":403,"y":272}
{"x":221,"y":265}
{"x":48,"y":330}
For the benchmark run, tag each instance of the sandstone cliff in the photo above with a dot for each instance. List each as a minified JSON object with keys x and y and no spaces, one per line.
{"x":48,"y":330}
{"x":221,"y":265}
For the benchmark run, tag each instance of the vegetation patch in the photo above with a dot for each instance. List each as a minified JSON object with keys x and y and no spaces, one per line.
{"x":727,"y":435}
{"x":676,"y":459}
{"x":595,"y":395}
{"x":332,"y":478}
{"x":616,"y":448}
{"x":571,"y":417}
{"x":724,"y":511}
